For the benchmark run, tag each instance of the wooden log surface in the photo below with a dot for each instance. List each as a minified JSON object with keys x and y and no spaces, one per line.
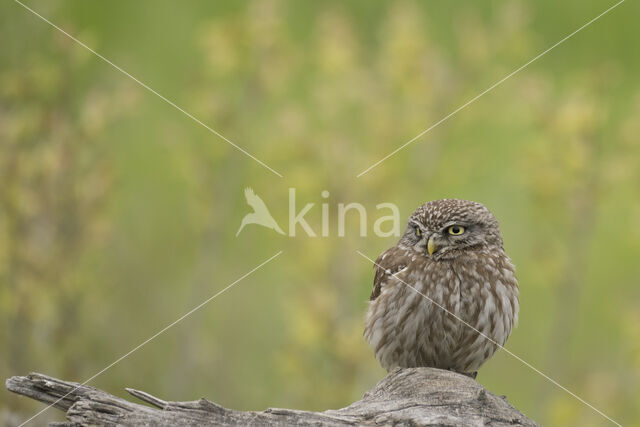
{"x":415,"y":396}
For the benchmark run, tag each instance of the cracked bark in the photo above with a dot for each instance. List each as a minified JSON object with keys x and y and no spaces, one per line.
{"x":415,"y":396}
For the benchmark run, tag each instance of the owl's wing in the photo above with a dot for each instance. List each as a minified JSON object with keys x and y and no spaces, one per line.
{"x":389,"y":263}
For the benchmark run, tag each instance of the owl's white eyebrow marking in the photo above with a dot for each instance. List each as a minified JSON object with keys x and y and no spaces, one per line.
{"x":461,"y":223}
{"x":417,"y":224}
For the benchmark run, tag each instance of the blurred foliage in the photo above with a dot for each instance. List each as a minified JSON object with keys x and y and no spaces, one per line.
{"x":118,"y":214}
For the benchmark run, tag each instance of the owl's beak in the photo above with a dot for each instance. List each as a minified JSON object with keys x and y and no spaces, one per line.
{"x":431,"y":245}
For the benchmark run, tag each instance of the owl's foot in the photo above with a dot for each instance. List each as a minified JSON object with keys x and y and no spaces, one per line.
{"x":468,"y":374}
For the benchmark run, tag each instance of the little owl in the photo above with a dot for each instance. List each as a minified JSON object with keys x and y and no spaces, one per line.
{"x":452,"y":254}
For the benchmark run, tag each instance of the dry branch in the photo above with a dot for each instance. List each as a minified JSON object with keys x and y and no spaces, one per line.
{"x":417,"y":396}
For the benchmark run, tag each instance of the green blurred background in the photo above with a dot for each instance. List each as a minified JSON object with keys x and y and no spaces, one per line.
{"x":118,"y":214}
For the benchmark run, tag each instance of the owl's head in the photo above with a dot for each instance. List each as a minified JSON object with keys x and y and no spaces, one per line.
{"x":445,"y":228}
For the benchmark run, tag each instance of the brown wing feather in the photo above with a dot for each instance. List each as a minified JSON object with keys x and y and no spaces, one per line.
{"x":390,"y":262}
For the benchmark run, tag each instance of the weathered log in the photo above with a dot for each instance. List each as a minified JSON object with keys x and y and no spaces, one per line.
{"x":417,"y":396}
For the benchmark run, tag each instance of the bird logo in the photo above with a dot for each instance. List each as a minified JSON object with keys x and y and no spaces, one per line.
{"x":260,"y":214}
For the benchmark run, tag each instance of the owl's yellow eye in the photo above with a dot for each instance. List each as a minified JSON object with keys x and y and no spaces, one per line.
{"x":455,"y":230}
{"x":418,"y":232}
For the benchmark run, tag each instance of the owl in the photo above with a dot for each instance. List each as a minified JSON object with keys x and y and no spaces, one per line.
{"x":451,"y":254}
